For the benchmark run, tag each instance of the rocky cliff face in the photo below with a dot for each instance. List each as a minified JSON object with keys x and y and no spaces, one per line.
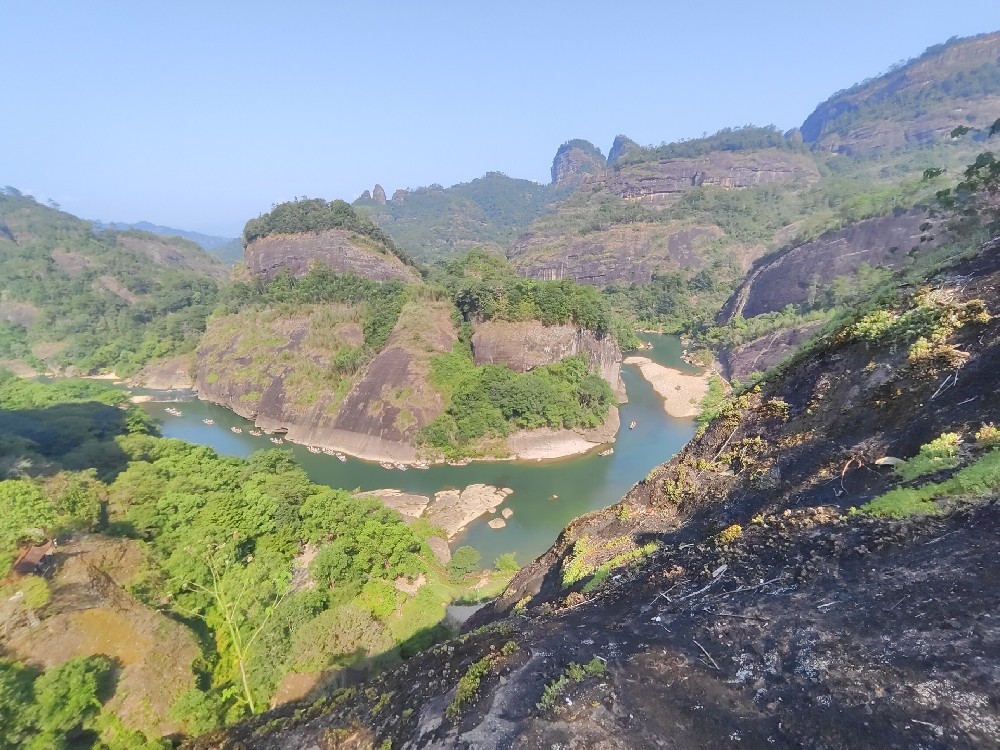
{"x":731,"y":597}
{"x":622,"y":145}
{"x":951,"y":84}
{"x":575,"y":160}
{"x":658,"y":182}
{"x":271,"y":368}
{"x":525,"y":346}
{"x":338,"y":249}
{"x":629,"y":253}
{"x":797,"y":274}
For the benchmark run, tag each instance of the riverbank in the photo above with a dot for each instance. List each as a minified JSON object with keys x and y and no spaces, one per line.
{"x":525,"y":445}
{"x":681,"y":392}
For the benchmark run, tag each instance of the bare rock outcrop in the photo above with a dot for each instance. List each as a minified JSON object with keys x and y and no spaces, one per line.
{"x":378,"y":194}
{"x":761,"y":354}
{"x":628,"y":253}
{"x":659,"y":182}
{"x":575,"y":160}
{"x":166,"y":374}
{"x":338,"y":249}
{"x":526,"y":345}
{"x":798,"y":274}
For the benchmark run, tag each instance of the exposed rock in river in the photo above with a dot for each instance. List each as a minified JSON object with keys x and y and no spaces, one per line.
{"x":451,"y":510}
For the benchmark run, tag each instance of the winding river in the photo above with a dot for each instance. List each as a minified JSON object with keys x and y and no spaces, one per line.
{"x":547,"y":494}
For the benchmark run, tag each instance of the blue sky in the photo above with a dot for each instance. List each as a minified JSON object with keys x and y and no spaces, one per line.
{"x":200,"y":115}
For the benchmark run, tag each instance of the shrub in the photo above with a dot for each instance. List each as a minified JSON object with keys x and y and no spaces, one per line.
{"x":934,"y":456}
{"x":465,"y":560}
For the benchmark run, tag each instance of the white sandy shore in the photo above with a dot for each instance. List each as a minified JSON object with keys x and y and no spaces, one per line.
{"x":681,"y":393}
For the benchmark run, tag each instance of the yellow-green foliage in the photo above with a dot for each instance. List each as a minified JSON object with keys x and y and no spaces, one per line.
{"x":931,"y":319}
{"x":978,"y":480}
{"x":988,"y":435}
{"x":574,"y":673}
{"x":575,"y":567}
{"x":934,"y":456}
{"x":469,"y":684}
{"x":632,"y":556}
{"x":729,"y":534}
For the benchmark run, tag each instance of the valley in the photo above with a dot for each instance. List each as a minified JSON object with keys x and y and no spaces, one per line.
{"x":696,"y":444}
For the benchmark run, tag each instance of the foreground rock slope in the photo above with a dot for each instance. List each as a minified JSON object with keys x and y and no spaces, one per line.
{"x":732,"y":596}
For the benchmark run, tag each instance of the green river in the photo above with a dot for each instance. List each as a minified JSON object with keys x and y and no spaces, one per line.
{"x":547,"y":494}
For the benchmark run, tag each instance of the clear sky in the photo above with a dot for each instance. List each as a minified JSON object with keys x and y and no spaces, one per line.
{"x":201,"y":114}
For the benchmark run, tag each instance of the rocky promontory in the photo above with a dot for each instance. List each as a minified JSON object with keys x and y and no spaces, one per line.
{"x":338,"y":249}
{"x":525,"y":345}
{"x":451,"y":510}
{"x":797,"y":274}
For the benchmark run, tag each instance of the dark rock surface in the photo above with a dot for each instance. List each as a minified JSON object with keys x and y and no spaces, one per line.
{"x":336,"y":248}
{"x":761,"y":354}
{"x":791,"y":276}
{"x":575,"y":160}
{"x":807,"y":626}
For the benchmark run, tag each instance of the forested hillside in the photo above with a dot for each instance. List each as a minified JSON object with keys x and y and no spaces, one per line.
{"x":279,"y":585}
{"x":93,"y":302}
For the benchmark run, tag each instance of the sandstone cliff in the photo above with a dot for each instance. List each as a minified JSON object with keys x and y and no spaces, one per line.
{"x":951,"y":84}
{"x":527,"y":345}
{"x":658,"y":181}
{"x":274,"y":368}
{"x":340,"y":250}
{"x":797,"y":274}
{"x":629,"y":253}
{"x":574,"y":160}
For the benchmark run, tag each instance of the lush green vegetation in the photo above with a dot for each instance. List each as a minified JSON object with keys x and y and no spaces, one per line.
{"x":979,"y":479}
{"x":492,"y":401}
{"x":438,"y":223}
{"x":380,"y":304}
{"x":316,"y":215}
{"x":272,"y":573}
{"x":747,"y":138}
{"x":82,"y":299}
{"x":485,"y":287}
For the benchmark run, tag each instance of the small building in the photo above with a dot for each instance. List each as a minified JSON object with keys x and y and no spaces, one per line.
{"x":31,"y":558}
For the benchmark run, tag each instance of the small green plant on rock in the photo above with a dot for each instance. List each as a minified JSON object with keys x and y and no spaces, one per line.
{"x":934,"y":456}
{"x":574,"y":673}
{"x":468,"y":685}
{"x":729,"y":535}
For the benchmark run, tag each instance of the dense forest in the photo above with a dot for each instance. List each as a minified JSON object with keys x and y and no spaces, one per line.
{"x":76,"y":298}
{"x":270,"y":573}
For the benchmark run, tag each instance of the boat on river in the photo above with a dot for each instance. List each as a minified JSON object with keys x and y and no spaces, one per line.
{"x":632,"y":426}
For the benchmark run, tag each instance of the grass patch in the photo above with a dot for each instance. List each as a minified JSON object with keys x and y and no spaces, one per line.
{"x":977,"y":480}
{"x":574,"y":673}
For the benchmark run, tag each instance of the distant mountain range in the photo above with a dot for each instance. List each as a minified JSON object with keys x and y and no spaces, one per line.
{"x":227,"y":249}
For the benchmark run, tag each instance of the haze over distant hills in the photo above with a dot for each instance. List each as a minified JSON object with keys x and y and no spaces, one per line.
{"x":227,"y":249}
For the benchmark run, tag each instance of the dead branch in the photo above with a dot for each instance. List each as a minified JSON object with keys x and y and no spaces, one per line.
{"x":708,"y":655}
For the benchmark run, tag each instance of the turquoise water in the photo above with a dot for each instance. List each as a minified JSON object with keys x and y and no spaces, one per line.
{"x":580,"y":484}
